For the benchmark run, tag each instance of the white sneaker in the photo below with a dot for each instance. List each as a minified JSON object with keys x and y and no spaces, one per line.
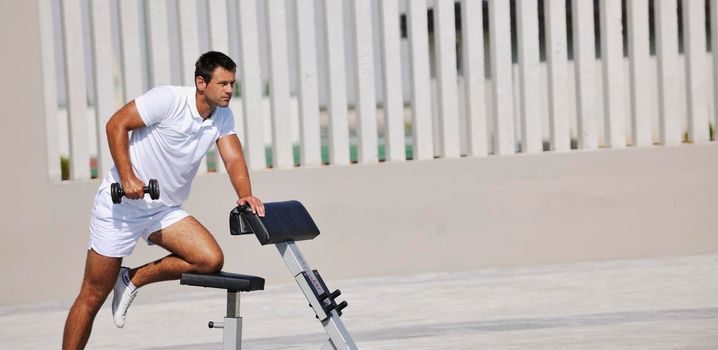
{"x":123,"y":297}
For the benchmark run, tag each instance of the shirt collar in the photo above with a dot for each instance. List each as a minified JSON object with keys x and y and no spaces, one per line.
{"x":193,"y":103}
{"x":195,"y":112}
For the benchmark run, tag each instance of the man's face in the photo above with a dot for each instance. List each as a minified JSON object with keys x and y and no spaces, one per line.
{"x":219,"y":89}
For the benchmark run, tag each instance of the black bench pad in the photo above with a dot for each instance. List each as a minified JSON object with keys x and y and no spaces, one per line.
{"x":283,"y":221}
{"x":224,"y":280}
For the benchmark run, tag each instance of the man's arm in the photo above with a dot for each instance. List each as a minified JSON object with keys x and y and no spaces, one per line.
{"x":230,"y":149}
{"x":118,"y":128}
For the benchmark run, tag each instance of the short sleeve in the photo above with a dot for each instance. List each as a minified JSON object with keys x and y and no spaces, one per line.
{"x":226,"y":126}
{"x":156,"y":104}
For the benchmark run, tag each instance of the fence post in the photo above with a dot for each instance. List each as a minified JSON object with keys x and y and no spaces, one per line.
{"x":279,"y":84}
{"x":336,"y":83}
{"x":365,"y":104}
{"x":76,"y":88}
{"x":667,"y":53}
{"x":612,"y":63}
{"x":391,"y":80}
{"x":307,"y":88}
{"x":251,"y":85}
{"x":49,"y":95}
{"x":104,"y":85}
{"x":694,"y":39}
{"x":639,"y":54}
{"x":472,"y":41}
{"x":557,"y":58}
{"x":421,"y":124}
{"x":500,"y":32}
{"x":584,"y":58}
{"x":529,"y":82}
{"x":445,"y":42}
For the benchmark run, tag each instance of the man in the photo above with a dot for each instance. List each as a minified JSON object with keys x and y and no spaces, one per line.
{"x":172,"y":129}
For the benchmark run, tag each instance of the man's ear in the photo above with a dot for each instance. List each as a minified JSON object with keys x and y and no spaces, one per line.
{"x":200,"y":83}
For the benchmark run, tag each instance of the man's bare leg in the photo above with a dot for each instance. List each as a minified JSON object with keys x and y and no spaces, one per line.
{"x":193,"y":249}
{"x":99,"y":279}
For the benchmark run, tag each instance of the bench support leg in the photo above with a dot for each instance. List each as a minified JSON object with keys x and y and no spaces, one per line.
{"x":232,"y":335}
{"x":328,"y":345}
{"x":232,"y":332}
{"x":339,"y":337}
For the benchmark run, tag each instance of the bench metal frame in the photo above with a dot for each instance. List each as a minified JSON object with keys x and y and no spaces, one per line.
{"x":339,"y":337}
{"x":234,"y":284}
{"x":232,"y":325}
{"x":287,"y":222}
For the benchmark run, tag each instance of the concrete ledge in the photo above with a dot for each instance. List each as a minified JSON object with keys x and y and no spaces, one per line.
{"x":442,"y":215}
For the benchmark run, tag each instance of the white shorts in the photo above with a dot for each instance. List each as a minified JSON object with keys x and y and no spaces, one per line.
{"x":115,"y":228}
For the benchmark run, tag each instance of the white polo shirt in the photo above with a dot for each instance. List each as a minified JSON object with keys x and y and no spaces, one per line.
{"x":171,"y":146}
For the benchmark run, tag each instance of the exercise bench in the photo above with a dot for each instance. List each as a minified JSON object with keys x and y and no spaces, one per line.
{"x":283,"y":225}
{"x":234,"y":284}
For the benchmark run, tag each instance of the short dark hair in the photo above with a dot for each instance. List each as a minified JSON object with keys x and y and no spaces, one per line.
{"x":209,"y":61}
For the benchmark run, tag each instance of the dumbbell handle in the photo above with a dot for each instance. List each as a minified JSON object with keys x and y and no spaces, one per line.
{"x":117,"y":192}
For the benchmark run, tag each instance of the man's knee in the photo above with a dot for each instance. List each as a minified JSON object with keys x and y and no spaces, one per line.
{"x":100,"y":276}
{"x":211,"y":262}
{"x":92,"y":297}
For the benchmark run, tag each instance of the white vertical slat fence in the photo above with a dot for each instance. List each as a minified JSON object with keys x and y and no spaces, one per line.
{"x":422,"y":134}
{"x":76,"y":89}
{"x":529,"y":80}
{"x":639,"y":56}
{"x":445,"y":42}
{"x":473,"y":63}
{"x":365,"y":106}
{"x":584,"y":59}
{"x":251,"y":85}
{"x":391,"y":66}
{"x":694,"y":39}
{"x":103,"y":80}
{"x":307,"y":88}
{"x":557,"y":57}
{"x":144,"y":56}
{"x":501,"y":66}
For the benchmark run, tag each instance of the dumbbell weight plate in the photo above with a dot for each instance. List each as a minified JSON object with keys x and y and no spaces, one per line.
{"x":154,"y":189}
{"x":116,"y":193}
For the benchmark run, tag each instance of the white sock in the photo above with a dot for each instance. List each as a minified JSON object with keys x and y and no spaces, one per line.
{"x":128,"y":283}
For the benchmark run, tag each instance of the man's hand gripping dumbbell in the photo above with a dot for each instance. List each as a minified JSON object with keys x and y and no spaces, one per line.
{"x":117,"y":192}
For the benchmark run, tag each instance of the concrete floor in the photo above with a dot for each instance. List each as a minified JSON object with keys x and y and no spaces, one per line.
{"x":662,"y":303}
